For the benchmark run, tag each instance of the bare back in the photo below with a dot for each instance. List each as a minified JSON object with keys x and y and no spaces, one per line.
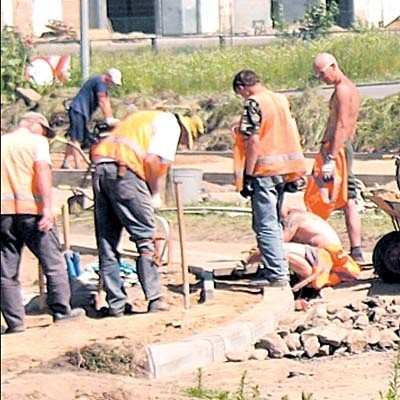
{"x":307,"y":228}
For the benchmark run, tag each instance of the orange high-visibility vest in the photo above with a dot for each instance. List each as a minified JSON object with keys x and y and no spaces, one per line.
{"x":337,"y":266}
{"x":127,"y":143}
{"x":19,"y":194}
{"x":281,"y":152}
{"x":320,"y":197}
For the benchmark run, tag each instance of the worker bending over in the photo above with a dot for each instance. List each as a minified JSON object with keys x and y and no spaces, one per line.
{"x":130,"y":166}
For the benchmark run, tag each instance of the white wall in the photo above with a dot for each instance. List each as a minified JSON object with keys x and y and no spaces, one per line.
{"x":376,"y":12}
{"x":7,"y":17}
{"x":43,"y":11}
{"x":209,"y":11}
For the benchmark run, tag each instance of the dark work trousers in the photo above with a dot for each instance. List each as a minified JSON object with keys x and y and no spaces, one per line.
{"x":124,"y":202}
{"x":20,"y":230}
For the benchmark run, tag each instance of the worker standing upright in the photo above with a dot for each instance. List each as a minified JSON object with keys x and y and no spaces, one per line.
{"x":268,"y":155}
{"x":27,"y":218}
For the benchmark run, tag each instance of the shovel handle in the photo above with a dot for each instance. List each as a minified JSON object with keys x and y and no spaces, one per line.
{"x":66,"y":231}
{"x":185,"y":271}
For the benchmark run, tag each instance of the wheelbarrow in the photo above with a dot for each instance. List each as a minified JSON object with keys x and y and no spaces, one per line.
{"x":386,"y":253}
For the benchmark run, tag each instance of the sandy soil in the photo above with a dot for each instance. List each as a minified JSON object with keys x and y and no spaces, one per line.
{"x":29,"y":370}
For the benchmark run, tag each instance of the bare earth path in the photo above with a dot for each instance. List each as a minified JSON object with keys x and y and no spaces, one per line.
{"x":28,"y":370}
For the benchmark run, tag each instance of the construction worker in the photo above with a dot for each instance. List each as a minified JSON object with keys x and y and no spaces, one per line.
{"x":93,"y":94}
{"x":336,"y":152}
{"x":130,"y":166}
{"x":313,"y":250}
{"x":268,"y":155}
{"x":27,"y":218}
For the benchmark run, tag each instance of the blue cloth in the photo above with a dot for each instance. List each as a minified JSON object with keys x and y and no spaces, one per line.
{"x":86,"y":101}
{"x":265,"y":202}
{"x":124,"y":202}
{"x":77,"y":130}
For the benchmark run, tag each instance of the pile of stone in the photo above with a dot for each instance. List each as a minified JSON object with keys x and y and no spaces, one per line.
{"x":326,"y":329}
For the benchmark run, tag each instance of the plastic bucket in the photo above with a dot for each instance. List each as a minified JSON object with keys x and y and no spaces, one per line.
{"x":191,"y":179}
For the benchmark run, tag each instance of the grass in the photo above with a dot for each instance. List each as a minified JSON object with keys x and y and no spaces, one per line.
{"x":393,"y":391}
{"x":283,"y":64}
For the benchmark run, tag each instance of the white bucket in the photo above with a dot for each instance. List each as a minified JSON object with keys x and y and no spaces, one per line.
{"x":191,"y":179}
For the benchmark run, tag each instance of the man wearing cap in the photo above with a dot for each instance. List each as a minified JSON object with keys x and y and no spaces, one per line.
{"x":339,"y":134}
{"x":130,"y":165}
{"x":27,"y":219}
{"x":92,"y":95}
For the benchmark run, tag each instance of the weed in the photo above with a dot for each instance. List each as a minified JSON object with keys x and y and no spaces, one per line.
{"x":105,"y":359}
{"x":393,"y":392}
{"x":201,"y":392}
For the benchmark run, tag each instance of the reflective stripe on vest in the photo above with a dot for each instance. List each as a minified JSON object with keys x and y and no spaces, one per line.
{"x":128,"y":141}
{"x":21,"y":203}
{"x":281,"y":151}
{"x":140,"y":153}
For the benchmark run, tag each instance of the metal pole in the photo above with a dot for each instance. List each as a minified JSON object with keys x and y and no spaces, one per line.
{"x":85,"y":56}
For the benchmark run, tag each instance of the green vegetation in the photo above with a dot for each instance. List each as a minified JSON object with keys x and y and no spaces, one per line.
{"x":283,"y":64}
{"x":201,"y":78}
{"x":393,"y":392}
{"x":15,"y":54}
{"x":201,"y":392}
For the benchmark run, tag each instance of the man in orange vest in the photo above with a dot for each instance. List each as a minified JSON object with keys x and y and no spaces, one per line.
{"x":27,"y":218}
{"x":268,"y":155}
{"x":130,"y":165}
{"x":313,"y":249}
{"x":339,"y":134}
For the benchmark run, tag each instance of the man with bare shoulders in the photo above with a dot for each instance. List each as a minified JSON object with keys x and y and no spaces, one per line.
{"x":312,"y":245}
{"x":341,"y":128}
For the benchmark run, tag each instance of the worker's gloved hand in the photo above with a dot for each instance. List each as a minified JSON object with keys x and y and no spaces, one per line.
{"x":156,"y":201}
{"x":293,"y":187}
{"x":248,"y":186}
{"x":112,"y":121}
{"x":328,"y":169}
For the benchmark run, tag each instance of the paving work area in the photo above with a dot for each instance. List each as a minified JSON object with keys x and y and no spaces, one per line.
{"x":214,"y":335}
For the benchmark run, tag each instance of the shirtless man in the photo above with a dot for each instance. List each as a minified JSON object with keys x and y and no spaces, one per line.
{"x":341,"y":128}
{"x":303,"y":234}
{"x":311,"y":243}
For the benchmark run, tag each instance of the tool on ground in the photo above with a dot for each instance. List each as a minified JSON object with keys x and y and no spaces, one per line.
{"x":181,"y":224}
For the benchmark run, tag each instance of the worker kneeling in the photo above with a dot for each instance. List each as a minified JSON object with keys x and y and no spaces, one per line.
{"x":314,"y":251}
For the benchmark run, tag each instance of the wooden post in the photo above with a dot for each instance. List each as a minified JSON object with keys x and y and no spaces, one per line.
{"x":185,"y":271}
{"x":66,"y":227}
{"x":42,"y":297}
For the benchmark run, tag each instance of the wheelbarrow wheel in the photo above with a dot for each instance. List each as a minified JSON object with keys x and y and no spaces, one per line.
{"x":386,"y":257}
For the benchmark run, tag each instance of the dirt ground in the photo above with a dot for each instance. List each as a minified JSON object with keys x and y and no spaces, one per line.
{"x":31,"y":366}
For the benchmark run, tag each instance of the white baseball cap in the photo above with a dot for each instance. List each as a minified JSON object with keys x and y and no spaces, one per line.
{"x":115,"y":75}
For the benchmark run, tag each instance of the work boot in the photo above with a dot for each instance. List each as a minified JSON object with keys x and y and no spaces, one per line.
{"x":105,"y":312}
{"x":75,"y":313}
{"x":157,"y":305}
{"x":13,"y":329}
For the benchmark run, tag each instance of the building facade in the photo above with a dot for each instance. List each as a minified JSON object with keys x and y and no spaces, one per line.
{"x":185,"y":17}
